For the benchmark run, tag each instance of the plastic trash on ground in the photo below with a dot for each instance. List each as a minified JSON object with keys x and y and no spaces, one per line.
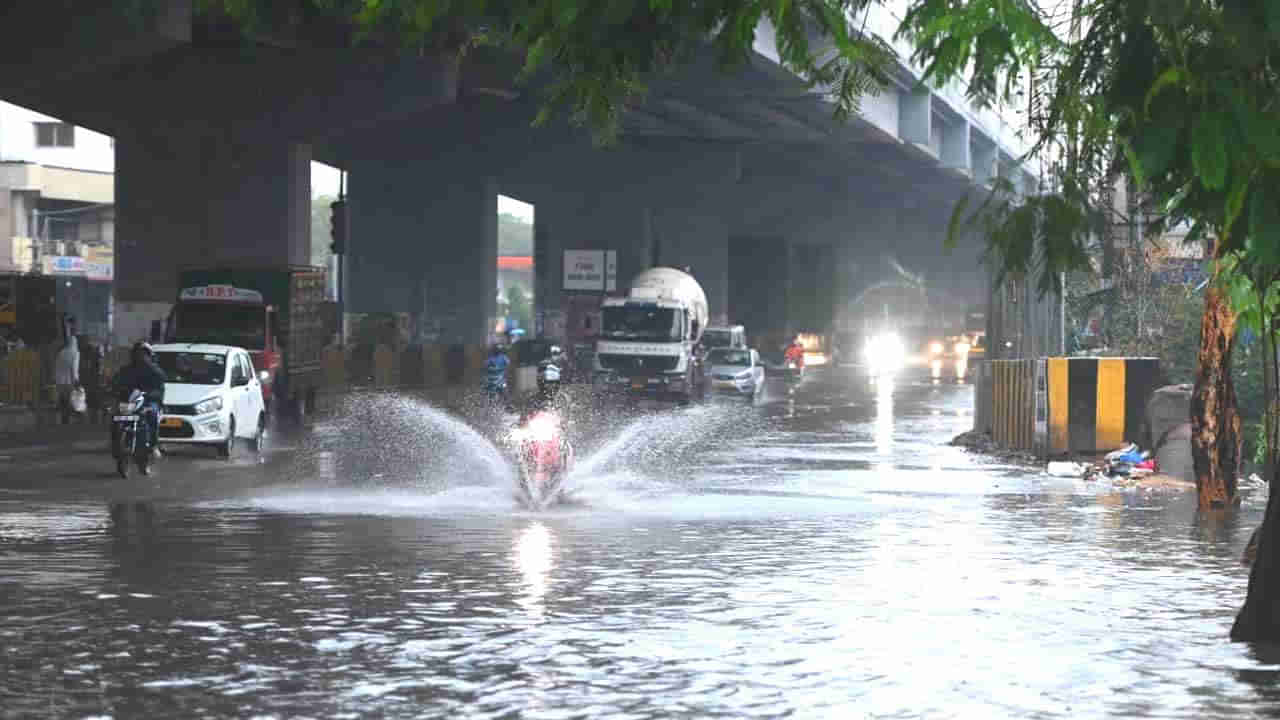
{"x":1067,"y":469}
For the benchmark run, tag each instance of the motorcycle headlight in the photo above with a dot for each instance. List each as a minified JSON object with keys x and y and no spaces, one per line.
{"x":213,"y":404}
{"x":264,"y":377}
{"x":935,"y":348}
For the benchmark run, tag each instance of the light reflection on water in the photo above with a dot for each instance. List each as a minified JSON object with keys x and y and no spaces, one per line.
{"x":778,"y":588}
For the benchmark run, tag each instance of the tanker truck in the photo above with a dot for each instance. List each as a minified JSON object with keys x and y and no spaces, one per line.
{"x":647,"y":339}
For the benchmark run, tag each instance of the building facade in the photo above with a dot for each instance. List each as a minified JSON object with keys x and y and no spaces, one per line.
{"x":57,"y":226}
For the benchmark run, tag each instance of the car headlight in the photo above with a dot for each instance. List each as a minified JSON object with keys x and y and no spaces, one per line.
{"x":962,"y":348}
{"x":745,"y":374}
{"x":935,"y":348}
{"x":213,"y":404}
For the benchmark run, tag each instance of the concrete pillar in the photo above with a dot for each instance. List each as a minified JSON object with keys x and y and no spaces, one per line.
{"x":915,"y":116}
{"x":425,"y":245}
{"x":699,"y":240}
{"x":955,"y":147}
{"x":183,"y":199}
{"x":984,"y":161}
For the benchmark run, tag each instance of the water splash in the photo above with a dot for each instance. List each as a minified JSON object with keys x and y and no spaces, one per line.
{"x":656,"y":448}
{"x":397,"y":440}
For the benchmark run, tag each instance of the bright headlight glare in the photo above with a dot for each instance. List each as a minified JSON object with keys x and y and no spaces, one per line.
{"x":962,"y":347}
{"x":935,"y":348}
{"x":213,"y":404}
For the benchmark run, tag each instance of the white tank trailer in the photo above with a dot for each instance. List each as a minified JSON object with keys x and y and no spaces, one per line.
{"x":647,"y":339}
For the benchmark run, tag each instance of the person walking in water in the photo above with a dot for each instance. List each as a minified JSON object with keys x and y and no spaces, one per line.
{"x":66,"y":371}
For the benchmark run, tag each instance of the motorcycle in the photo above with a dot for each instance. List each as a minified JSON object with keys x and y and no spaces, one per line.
{"x":127,"y":425}
{"x":544,"y":458}
{"x":795,"y":371}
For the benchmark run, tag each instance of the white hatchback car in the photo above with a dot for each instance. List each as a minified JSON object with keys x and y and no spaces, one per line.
{"x":212,"y":396}
{"x":736,"y":370}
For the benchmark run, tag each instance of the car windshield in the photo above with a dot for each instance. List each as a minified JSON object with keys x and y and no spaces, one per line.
{"x":222,"y":324}
{"x":192,"y":368}
{"x":729,"y":357}
{"x":716,"y":338}
{"x":650,"y":323}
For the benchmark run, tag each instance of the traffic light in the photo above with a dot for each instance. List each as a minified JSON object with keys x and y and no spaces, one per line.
{"x":338,"y":225}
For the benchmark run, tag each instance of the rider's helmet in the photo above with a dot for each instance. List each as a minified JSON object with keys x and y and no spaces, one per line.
{"x":142,"y":349}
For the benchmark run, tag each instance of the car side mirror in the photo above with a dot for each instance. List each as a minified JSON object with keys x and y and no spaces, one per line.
{"x":239,"y":380}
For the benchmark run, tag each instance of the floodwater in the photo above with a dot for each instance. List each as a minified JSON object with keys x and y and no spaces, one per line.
{"x":820,"y":553}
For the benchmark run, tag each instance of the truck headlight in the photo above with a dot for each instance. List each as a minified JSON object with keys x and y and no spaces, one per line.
{"x":213,"y":404}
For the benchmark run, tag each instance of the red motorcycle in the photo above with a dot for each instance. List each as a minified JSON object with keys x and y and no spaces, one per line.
{"x":544,"y":458}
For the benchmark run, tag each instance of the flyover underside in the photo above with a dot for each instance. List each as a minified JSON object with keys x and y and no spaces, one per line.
{"x":214,"y":143}
{"x":682,"y":200}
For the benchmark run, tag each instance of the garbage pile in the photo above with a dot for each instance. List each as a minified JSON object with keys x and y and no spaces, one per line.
{"x":1127,"y":462}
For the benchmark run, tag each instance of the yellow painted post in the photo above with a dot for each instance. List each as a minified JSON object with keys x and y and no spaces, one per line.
{"x":1059,"y":436}
{"x":1109,"y":429}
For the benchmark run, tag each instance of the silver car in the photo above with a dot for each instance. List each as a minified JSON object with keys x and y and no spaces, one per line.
{"x":735,"y":370}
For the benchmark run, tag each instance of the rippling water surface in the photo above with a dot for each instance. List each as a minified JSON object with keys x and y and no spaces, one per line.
{"x":819,"y":555}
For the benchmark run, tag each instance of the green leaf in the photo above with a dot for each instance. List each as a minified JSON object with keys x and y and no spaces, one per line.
{"x":1262,"y":246}
{"x":1171,"y":76}
{"x":1273,"y":18}
{"x":1208,"y":151}
{"x":1235,"y":202}
{"x":1135,"y":165}
{"x":1156,"y":147}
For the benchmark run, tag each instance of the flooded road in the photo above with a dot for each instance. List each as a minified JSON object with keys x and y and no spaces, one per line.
{"x":819,"y":554}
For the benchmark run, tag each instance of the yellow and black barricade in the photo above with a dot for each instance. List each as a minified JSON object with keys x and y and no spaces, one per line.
{"x":1013,"y":404}
{"x":1097,"y":404}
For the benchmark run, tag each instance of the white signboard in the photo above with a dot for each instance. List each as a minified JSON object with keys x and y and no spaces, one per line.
{"x":99,"y":270}
{"x":224,"y":293}
{"x":64,"y":265}
{"x":584,"y":270}
{"x":610,"y":270}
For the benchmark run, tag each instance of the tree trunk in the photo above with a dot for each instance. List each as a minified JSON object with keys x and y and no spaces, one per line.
{"x":1259,"y":619}
{"x":1215,"y":423}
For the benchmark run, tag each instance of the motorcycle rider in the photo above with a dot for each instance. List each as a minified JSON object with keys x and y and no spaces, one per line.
{"x":496,"y":370}
{"x":143,"y":374}
{"x":795,"y":353}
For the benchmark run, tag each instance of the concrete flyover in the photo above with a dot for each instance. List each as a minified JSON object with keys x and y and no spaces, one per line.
{"x":214,"y":138}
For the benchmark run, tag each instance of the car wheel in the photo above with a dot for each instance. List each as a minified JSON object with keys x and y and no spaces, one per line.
{"x":228,"y":446}
{"x":259,"y":441}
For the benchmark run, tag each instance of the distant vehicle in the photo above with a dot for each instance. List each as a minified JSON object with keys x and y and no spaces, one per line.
{"x":212,"y":396}
{"x":647,"y":339}
{"x":735,"y":370}
{"x":277,"y":314}
{"x":725,"y":336}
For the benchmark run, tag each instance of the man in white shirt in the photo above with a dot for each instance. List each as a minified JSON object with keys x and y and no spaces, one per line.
{"x":66,"y":371}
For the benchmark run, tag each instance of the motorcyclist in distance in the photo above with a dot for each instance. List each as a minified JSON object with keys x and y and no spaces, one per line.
{"x":143,"y":374}
{"x":496,"y":371}
{"x":795,"y":353}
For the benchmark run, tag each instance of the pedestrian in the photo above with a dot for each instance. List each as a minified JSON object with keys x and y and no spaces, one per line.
{"x":66,"y":373}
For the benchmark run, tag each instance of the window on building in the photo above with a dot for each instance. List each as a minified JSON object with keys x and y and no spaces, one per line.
{"x":55,"y":134}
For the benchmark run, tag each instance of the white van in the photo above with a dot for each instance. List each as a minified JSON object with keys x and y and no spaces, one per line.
{"x":726,"y":336}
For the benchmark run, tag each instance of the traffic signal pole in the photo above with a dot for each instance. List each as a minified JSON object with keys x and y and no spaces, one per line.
{"x":339,"y":229}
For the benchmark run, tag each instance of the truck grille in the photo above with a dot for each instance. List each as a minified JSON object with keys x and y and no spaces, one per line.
{"x":179,"y":409}
{"x":638,"y":363}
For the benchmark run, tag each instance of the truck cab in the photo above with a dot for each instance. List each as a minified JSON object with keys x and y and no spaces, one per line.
{"x":647,"y":339}
{"x":234,"y":316}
